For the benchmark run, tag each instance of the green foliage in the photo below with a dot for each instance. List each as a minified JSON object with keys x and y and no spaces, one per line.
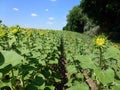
{"x":2,"y":59}
{"x":104,"y":13}
{"x":0,"y":22}
{"x":83,"y":59}
{"x":27,"y":57}
{"x":105,"y":76}
{"x":78,"y":21}
{"x":79,"y":86}
{"x":75,"y":20}
{"x":10,"y":57}
{"x":30,"y":59}
{"x":95,"y":17}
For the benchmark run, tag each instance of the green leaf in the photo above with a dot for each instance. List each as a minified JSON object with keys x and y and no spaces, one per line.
{"x":39,"y":80}
{"x":56,"y":76}
{"x":24,"y":50}
{"x":4,"y":85}
{"x":46,"y":73}
{"x":49,"y":88}
{"x":42,"y":62}
{"x":55,"y":61}
{"x":69,"y":83}
{"x":6,"y":69}
{"x":11,"y":41}
{"x":12,"y":58}
{"x":2,"y":59}
{"x":105,"y":76}
{"x":57,"y":79}
{"x":31,"y":87}
{"x":79,"y":75}
{"x":71,"y":69}
{"x":80,"y":86}
{"x":5,"y":88}
{"x":112,"y":52}
{"x":86,"y":62}
{"x":118,"y":74}
{"x":116,"y":87}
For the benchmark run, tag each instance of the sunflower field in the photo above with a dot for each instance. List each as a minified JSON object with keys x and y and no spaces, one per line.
{"x":32,"y":59}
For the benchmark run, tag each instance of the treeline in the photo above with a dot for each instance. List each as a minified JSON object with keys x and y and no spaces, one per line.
{"x":95,"y":16}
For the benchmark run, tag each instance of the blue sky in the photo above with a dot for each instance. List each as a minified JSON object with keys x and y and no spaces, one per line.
{"x":43,"y":14}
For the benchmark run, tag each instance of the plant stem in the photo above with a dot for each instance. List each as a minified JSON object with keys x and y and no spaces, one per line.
{"x":100,"y":56}
{"x":13,"y":77}
{"x":23,"y":83}
{"x":12,"y":73}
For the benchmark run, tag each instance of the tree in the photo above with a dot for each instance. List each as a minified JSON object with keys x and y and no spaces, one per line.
{"x":75,"y":20}
{"x":0,"y":22}
{"x":105,"y":13}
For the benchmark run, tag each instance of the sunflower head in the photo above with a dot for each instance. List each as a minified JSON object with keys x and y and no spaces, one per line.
{"x":14,"y":29}
{"x":116,"y":46}
{"x":100,"y":40}
{"x":2,"y":33}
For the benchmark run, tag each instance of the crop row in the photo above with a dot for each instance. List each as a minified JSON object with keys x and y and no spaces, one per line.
{"x":56,"y":60}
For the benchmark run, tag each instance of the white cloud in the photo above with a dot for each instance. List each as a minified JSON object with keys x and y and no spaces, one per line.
{"x":53,"y":0}
{"x":34,"y":14}
{"x":46,"y":10}
{"x":15,"y":9}
{"x":51,"y":18}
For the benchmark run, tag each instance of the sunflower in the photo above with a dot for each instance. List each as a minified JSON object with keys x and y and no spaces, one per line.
{"x":14,"y":31}
{"x":100,"y":41}
{"x":2,"y":33}
{"x":116,"y":46}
